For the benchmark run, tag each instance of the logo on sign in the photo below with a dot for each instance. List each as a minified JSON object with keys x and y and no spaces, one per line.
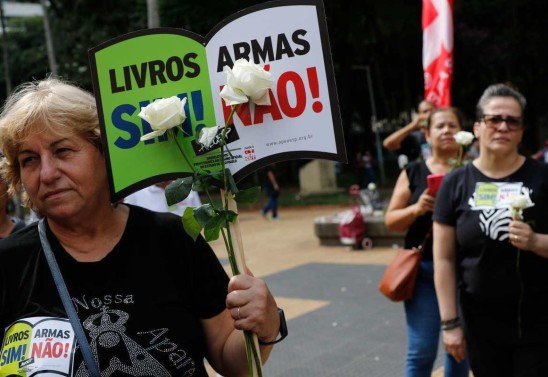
{"x":249,"y":153}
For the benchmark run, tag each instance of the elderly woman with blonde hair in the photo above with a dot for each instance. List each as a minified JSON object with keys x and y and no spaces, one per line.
{"x":149,"y":300}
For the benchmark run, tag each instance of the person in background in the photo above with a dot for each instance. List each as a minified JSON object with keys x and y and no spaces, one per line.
{"x":410,"y":140}
{"x":410,"y":210}
{"x":154,"y":198}
{"x":8,"y":223}
{"x":368,"y":170}
{"x":141,"y":285}
{"x":272,"y":189}
{"x":357,"y":168}
{"x":542,"y":155}
{"x":490,"y":262}
{"x":473,"y":150}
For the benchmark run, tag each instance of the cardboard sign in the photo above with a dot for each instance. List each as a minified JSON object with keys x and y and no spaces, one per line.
{"x":303,"y":121}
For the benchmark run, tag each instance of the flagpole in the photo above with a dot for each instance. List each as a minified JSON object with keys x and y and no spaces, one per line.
{"x":374,"y":125}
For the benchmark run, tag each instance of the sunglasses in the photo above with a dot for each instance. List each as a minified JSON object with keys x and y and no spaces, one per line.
{"x":494,"y":121}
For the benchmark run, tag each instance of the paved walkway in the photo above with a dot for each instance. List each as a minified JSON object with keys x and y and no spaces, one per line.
{"x":339,"y":324}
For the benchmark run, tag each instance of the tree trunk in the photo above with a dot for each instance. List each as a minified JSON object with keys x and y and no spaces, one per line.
{"x":49,"y":40}
{"x":7,"y":77}
{"x":153,"y":13}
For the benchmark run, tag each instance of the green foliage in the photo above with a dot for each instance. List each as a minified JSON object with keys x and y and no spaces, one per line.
{"x":207,"y":218}
{"x":248,"y":196}
{"x":213,"y":227}
{"x":386,"y":36}
{"x":178,"y":190}
{"x":231,"y":183}
{"x":211,"y":217}
{"x":288,"y":199}
{"x":26,"y":58}
{"x":191,"y":225}
{"x":200,"y":16}
{"x":79,"y":25}
{"x":204,"y":213}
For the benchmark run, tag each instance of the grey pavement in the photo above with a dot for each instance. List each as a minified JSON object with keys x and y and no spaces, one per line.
{"x":359,"y":333}
{"x":339,"y":324}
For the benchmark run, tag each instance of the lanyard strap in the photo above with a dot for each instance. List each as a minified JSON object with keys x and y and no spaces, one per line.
{"x":67,"y":302}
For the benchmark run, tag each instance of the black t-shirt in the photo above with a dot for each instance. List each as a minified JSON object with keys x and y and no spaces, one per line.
{"x":267,"y":183}
{"x":488,"y":262}
{"x":140,"y":306}
{"x":417,"y":171}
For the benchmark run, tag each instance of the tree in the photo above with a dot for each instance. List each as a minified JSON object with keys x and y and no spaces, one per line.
{"x":7,"y":77}
{"x":506,"y":48}
{"x":386,"y":36}
{"x":153,"y":13}
{"x":49,"y":40}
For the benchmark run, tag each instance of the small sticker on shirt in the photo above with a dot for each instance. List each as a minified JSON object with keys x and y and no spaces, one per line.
{"x":41,"y":346}
{"x":491,"y":195}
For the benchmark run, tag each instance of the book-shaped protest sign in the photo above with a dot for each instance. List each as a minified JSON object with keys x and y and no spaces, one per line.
{"x":288,"y":38}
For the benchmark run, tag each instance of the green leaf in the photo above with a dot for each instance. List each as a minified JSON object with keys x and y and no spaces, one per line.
{"x":199,"y":184}
{"x":204,"y":214}
{"x":192,"y":227}
{"x":248,"y":196}
{"x":203,"y":180}
{"x":217,"y":179}
{"x":178,"y":190}
{"x":213,"y":228}
{"x":231,"y":182}
{"x":230,"y":216}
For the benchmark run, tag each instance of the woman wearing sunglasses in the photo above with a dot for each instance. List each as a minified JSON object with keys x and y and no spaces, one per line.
{"x":495,"y":256}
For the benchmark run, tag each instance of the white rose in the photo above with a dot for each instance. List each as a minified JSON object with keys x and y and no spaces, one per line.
{"x":207,"y":135}
{"x":464,"y":138}
{"x":246,"y":81}
{"x":520,"y":202}
{"x":163,"y":114}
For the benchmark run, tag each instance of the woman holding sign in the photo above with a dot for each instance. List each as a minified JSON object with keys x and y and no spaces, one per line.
{"x":147,"y":299}
{"x":491,"y":246}
{"x":410,"y":209}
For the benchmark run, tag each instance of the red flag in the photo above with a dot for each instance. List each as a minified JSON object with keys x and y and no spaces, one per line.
{"x":437,"y":50}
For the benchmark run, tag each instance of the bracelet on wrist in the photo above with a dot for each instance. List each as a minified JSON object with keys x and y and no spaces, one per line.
{"x":282,"y":331}
{"x":450,"y":324}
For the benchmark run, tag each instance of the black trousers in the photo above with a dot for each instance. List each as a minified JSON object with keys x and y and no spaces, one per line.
{"x":506,"y":339}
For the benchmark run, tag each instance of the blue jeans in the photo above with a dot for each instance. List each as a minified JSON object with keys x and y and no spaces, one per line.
{"x":272,"y":204}
{"x":423,"y":329}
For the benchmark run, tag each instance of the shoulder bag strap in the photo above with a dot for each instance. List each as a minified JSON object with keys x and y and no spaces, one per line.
{"x":426,"y":238}
{"x":67,"y":302}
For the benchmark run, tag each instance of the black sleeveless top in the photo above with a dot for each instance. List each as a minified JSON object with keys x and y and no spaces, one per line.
{"x":417,"y":171}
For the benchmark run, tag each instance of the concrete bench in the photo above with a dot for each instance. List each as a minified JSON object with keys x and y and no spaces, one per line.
{"x":326,"y":228}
